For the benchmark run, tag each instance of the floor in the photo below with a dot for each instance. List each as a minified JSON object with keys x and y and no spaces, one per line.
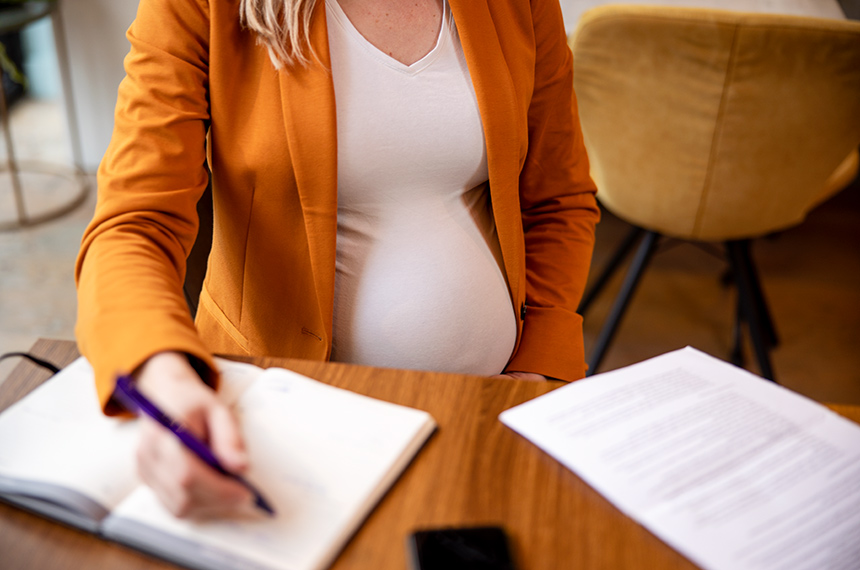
{"x":811,"y":276}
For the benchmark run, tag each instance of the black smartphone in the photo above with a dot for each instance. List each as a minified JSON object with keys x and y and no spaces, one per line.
{"x":468,"y":548}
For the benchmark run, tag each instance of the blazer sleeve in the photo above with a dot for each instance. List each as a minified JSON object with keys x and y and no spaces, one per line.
{"x":131,"y":265}
{"x":559,"y":211}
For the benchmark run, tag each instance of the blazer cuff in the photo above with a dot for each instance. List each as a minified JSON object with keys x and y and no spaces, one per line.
{"x":125,"y":349}
{"x":550,"y":347}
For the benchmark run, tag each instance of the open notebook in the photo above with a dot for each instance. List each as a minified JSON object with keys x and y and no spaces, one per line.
{"x":322,"y":456}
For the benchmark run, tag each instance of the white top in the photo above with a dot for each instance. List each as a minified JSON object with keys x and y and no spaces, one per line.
{"x":419,"y":283}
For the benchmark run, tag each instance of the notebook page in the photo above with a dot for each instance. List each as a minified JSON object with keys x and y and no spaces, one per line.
{"x":236,"y":378}
{"x":729,"y":469}
{"x":56,"y":445}
{"x":322,"y":457}
{"x":57,"y":435}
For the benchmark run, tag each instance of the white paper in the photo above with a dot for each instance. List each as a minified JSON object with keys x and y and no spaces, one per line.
{"x":729,"y":469}
{"x":59,"y":436}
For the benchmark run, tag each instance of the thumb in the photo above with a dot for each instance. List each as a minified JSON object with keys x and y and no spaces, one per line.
{"x":225,"y":438}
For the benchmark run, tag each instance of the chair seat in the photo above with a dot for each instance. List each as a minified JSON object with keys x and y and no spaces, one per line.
{"x":714,"y":125}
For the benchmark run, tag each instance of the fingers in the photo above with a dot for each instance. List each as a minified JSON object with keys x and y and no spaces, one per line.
{"x":186,"y":485}
{"x":211,"y":494}
{"x":226,"y":440}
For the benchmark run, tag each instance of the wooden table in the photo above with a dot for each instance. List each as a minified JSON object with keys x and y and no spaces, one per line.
{"x":474,"y":470}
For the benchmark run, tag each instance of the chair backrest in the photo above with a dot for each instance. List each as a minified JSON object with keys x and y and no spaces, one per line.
{"x":714,"y":125}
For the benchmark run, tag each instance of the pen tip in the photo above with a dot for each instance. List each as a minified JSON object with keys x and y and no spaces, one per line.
{"x":264,"y":506}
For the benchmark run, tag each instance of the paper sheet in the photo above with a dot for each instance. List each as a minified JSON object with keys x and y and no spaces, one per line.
{"x":59,"y":436}
{"x":731,"y":470}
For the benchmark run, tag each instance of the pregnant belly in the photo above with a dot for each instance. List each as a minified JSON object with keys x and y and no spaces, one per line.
{"x":421,"y":292}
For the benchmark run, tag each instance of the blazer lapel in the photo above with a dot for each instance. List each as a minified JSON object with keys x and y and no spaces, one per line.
{"x":496,"y":96}
{"x":307,"y":97}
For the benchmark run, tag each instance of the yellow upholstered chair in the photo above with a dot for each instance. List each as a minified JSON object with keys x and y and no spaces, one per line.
{"x":714,"y":126}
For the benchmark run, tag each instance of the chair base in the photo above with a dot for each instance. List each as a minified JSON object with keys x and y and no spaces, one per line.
{"x":78,"y":193}
{"x":751,"y":305}
{"x":634,"y":274}
{"x":752,"y":308}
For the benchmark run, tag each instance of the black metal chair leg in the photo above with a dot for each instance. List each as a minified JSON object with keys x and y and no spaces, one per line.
{"x":740,"y":261}
{"x":634,"y":273}
{"x":610,"y":268}
{"x":764,"y":312}
{"x":737,"y":356}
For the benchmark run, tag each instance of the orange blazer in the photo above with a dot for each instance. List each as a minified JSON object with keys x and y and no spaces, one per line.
{"x":199,"y":90}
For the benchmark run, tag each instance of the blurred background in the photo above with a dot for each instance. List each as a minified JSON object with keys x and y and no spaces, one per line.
{"x":810,"y":274}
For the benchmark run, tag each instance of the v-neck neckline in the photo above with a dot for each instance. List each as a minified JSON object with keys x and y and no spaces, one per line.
{"x":343,"y":20}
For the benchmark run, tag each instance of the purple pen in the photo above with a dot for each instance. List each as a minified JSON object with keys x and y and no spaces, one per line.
{"x":135,"y":402}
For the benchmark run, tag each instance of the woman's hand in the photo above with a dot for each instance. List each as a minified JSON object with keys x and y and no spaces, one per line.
{"x":184,"y":483}
{"x":522,"y":376}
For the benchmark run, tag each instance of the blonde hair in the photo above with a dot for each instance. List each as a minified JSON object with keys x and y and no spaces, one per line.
{"x":282,"y":26}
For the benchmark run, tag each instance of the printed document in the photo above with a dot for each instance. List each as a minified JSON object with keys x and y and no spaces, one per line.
{"x":733,"y":471}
